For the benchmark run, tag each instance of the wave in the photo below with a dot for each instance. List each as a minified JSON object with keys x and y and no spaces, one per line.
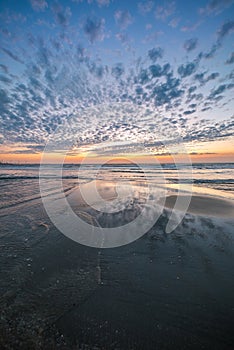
{"x":36,"y":177}
{"x":122,"y":166}
{"x":202,"y":181}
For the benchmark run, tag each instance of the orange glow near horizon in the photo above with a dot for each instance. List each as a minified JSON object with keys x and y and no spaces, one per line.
{"x":196,"y":158}
{"x":216,"y":151}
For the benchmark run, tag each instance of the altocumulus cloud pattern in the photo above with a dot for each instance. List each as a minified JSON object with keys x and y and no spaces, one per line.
{"x":58,"y":58}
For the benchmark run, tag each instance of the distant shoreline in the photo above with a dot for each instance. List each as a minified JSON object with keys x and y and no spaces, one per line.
{"x":110,"y":164}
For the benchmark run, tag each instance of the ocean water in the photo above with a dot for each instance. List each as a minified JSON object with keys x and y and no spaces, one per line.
{"x":19,"y":183}
{"x":164,"y":291}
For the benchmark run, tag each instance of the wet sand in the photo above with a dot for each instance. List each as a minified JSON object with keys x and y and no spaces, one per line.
{"x":106,"y":191}
{"x":205,"y":206}
{"x":163,"y":291}
{"x":158,"y":293}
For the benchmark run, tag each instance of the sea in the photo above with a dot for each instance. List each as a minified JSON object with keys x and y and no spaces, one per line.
{"x":19,"y":183}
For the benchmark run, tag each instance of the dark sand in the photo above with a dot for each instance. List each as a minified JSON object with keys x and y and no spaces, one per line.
{"x":164,"y":291}
{"x":206,"y":206}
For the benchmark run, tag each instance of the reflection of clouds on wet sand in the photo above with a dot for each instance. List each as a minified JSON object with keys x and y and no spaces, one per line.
{"x":115,"y":205}
{"x":206,"y":206}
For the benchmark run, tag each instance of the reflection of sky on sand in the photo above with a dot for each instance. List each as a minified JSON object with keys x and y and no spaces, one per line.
{"x":120,"y":202}
{"x":100,"y":191}
{"x":201,"y":190}
{"x":112,"y":204}
{"x":206,"y":206}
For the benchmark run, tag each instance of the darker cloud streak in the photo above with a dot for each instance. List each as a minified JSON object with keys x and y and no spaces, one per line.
{"x":189,"y":112}
{"x":117,"y":70}
{"x":155,"y":53}
{"x":190,"y":44}
{"x":214,"y":7}
{"x":61,"y":16}
{"x":94,"y":29}
{"x":215,"y":94}
{"x":225,"y":29}
{"x":186,"y":70}
{"x":203,"y":79}
{"x":13,"y":56}
{"x":157,"y":71}
{"x":230,"y":60}
{"x":4,"y":68}
{"x":211,"y":52}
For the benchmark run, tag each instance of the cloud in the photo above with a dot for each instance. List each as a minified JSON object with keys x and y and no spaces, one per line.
{"x":4,"y":99}
{"x":203,"y":79}
{"x":156,"y":70}
{"x":225,"y":29}
{"x":103,"y":2}
{"x":4,"y":68}
{"x":174,"y":22}
{"x":190,"y":28}
{"x":100,"y":3}
{"x":189,"y":112}
{"x":155,"y":53}
{"x":61,"y":15}
{"x":94,"y":29}
{"x":5,"y":79}
{"x":59,"y":81}
{"x":212,"y":76}
{"x":230,"y":60}
{"x":205,"y":109}
{"x":165,"y":93}
{"x":148,"y":26}
{"x":97,"y":70}
{"x":186,"y":70}
{"x":193,"y":105}
{"x":212,"y":52}
{"x":9,"y":16}
{"x":123,"y":37}
{"x":38,"y":5}
{"x":117,"y":70}
{"x":190,"y":44}
{"x":123,"y":19}
{"x":43,"y":55}
{"x":200,"y":77}
{"x":6,"y":32}
{"x":192,"y":89}
{"x":145,"y":7}
{"x":215,"y":92}
{"x":215,"y":7}
{"x":163,"y":12}
{"x":29,"y":149}
{"x":12,"y":55}
{"x":152,"y":37}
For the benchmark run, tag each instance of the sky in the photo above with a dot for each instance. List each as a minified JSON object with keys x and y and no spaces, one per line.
{"x":113,"y":78}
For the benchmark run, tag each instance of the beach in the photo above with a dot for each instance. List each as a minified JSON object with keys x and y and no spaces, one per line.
{"x":116,"y":175}
{"x":164,"y":290}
